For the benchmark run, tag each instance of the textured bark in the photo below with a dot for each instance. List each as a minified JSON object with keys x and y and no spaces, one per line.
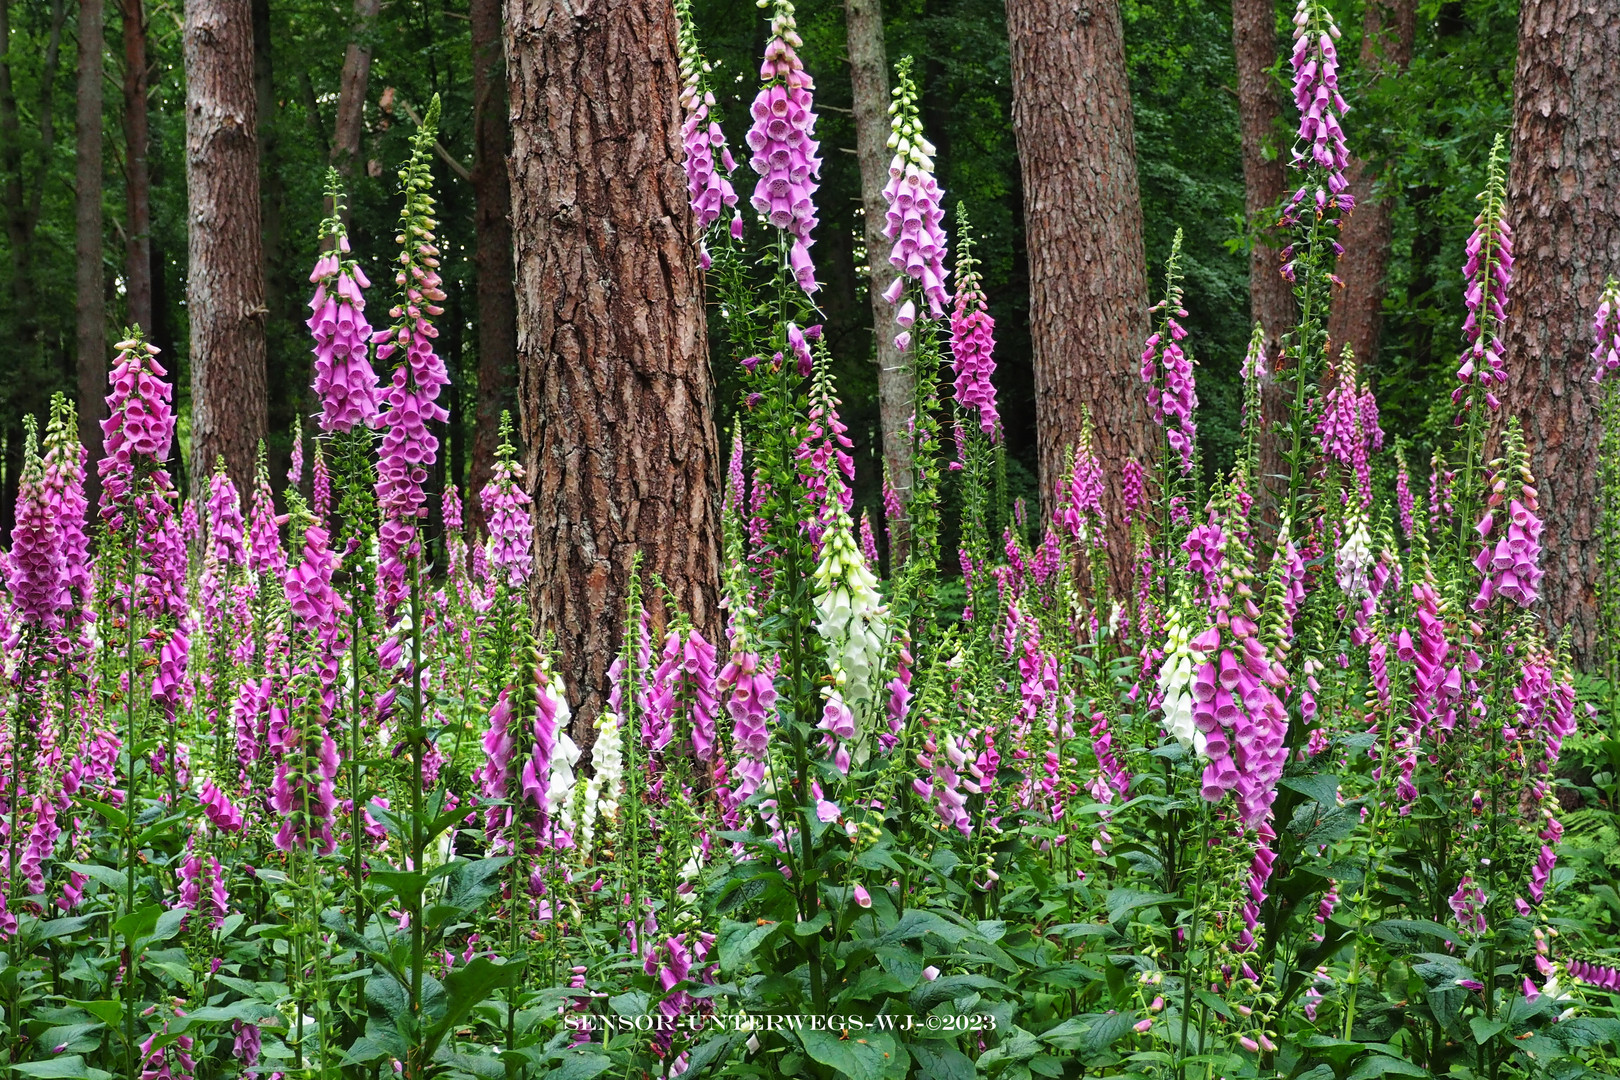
{"x":614,"y":388}
{"x":1564,"y":197}
{"x":1357,"y":318}
{"x":137,"y":173}
{"x":492,"y":221}
{"x":1083,"y":220}
{"x":1255,"y":46}
{"x":90,"y":302}
{"x":869,"y":83}
{"x":225,"y":287}
{"x":351,"y":111}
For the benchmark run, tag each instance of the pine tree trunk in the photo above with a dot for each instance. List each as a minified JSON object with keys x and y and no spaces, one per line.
{"x":613,"y":379}
{"x":1357,"y":318}
{"x":137,"y":174}
{"x":492,"y":209}
{"x":351,"y":111}
{"x":90,"y":305}
{"x":869,"y":83}
{"x":1083,"y":222}
{"x":225,"y":285}
{"x":1564,"y":198}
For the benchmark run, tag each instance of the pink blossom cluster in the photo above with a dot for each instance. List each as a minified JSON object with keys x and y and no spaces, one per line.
{"x":1315,"y":61}
{"x":1080,"y":496}
{"x":784,"y":146}
{"x":1599,"y":975}
{"x":973,"y":343}
{"x":408,"y":447}
{"x":1510,"y":565}
{"x":914,"y":215}
{"x":139,"y":428}
{"x":750,"y":700}
{"x":1489,"y":272}
{"x":1348,"y":428}
{"x":709,"y":189}
{"x":344,"y":379}
{"x":1606,"y":333}
{"x":1168,"y":374}
{"x":36,"y":572}
{"x":511,"y":527}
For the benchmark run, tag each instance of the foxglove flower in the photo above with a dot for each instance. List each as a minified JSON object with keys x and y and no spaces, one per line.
{"x":973,"y":344}
{"x":139,"y":428}
{"x":850,"y":616}
{"x":1606,"y":333}
{"x":506,"y":513}
{"x":1348,"y":427}
{"x":408,"y":447}
{"x":784,"y":146}
{"x":750,"y":700}
{"x":1489,"y":272}
{"x":1320,"y":144}
{"x":914,"y":215}
{"x":709,"y":189}
{"x":1167,"y":370}
{"x":344,"y":379}
{"x":36,"y":571}
{"x":1510,"y":564}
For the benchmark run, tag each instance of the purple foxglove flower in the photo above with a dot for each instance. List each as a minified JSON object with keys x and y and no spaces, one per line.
{"x":1489,"y":272}
{"x":344,"y":379}
{"x":1166,"y":369}
{"x":1606,"y":333}
{"x":913,"y":196}
{"x":507,"y":516}
{"x":708,"y":188}
{"x":783,"y":143}
{"x":972,"y":345}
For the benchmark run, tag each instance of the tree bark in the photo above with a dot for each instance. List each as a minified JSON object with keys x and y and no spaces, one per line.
{"x":897,"y":394}
{"x":1255,"y":47}
{"x":137,"y":174}
{"x":492,"y":210}
{"x":90,"y":304}
{"x":225,"y":287}
{"x":351,"y":111}
{"x":614,"y":387}
{"x":1357,"y":317}
{"x":1083,"y":223}
{"x":1564,"y":198}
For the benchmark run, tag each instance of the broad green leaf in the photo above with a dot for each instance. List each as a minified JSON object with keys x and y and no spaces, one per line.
{"x":1377,"y":1065}
{"x":863,"y":1055}
{"x":138,"y":923}
{"x":67,"y":1067}
{"x":580,"y":1065}
{"x":1121,"y":902}
{"x":937,"y":1061}
{"x":1485,"y":1030}
{"x":738,"y":941}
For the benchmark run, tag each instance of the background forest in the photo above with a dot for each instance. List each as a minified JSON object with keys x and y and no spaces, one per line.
{"x":1437,"y":118}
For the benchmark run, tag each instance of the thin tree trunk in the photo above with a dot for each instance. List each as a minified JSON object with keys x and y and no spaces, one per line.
{"x":351,"y":111}
{"x":90,"y":280}
{"x":137,"y":173}
{"x":869,"y":83}
{"x":613,"y":380}
{"x":225,"y":286}
{"x":1564,"y":197}
{"x":492,"y":209}
{"x":1357,"y":318}
{"x":1083,"y":223}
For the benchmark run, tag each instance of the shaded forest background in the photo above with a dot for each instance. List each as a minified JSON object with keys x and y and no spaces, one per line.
{"x":1423,"y":129}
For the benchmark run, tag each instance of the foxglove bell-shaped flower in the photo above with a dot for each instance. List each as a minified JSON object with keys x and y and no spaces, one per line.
{"x":708,"y":188}
{"x":783,"y":143}
{"x":1167,"y":370}
{"x":973,"y":341}
{"x":344,"y":379}
{"x":913,"y":194}
{"x":139,"y":428}
{"x":1606,"y":333}
{"x":1320,"y":143}
{"x":1489,"y":272}
{"x":506,"y":512}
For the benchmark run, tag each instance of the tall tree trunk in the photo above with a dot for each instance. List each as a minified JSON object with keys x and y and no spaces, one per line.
{"x":90,"y":280}
{"x":613,"y":378}
{"x":1564,"y":197}
{"x":225,"y":286}
{"x":492,"y":209}
{"x":869,"y":83}
{"x":1357,"y":318}
{"x":351,"y":111}
{"x":1271,"y":297}
{"x":1083,"y":223}
{"x":137,"y":172}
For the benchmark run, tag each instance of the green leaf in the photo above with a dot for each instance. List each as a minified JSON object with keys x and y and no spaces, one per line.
{"x":465,"y":988}
{"x":580,"y":1065}
{"x":67,"y":1067}
{"x":471,"y":883}
{"x":950,"y":988}
{"x":56,"y":928}
{"x":1383,"y":1065}
{"x":864,"y":1055}
{"x":114,"y":879}
{"x":1412,"y":933}
{"x":110,"y":1013}
{"x":738,"y":941}
{"x":112,"y":814}
{"x":941,"y":1062}
{"x":918,"y":921}
{"x":139,"y":923}
{"x":168,"y":924}
{"x":1089,"y":1034}
{"x":1121,"y":902}
{"x":1485,"y":1030}
{"x":1320,"y":788}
